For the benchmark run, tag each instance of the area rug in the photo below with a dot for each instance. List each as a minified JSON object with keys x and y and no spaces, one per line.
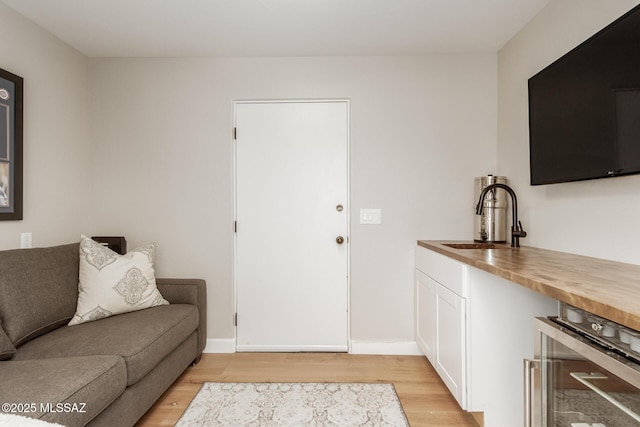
{"x":294,"y":404}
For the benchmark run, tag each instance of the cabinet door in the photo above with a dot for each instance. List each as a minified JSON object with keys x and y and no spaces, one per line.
{"x":426,"y":314}
{"x":450,"y":343}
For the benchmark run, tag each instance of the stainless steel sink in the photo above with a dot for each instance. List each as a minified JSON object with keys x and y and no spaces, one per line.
{"x":477,"y":245}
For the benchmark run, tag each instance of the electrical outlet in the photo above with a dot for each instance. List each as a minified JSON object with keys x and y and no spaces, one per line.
{"x":25,"y":240}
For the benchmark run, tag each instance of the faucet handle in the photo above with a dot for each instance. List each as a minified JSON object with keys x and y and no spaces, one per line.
{"x":518,"y":231}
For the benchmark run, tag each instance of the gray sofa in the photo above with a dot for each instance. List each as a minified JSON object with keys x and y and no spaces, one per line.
{"x":105,"y":372}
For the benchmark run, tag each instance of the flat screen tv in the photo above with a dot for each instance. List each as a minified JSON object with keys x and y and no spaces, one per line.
{"x":584,"y":109}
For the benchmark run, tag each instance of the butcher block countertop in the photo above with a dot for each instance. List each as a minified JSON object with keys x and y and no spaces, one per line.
{"x":608,"y":289}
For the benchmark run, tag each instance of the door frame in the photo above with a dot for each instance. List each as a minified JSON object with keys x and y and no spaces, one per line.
{"x":235,"y":205}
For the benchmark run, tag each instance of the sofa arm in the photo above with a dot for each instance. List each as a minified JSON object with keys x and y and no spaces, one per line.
{"x":188,"y":291}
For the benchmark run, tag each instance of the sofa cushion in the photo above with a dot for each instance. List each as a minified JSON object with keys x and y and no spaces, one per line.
{"x":6,"y":346}
{"x":143,"y":338}
{"x":110,"y":283}
{"x":83,"y":385}
{"x":39,"y":289}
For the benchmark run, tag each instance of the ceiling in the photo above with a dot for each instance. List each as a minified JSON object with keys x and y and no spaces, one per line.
{"x":244,"y":28}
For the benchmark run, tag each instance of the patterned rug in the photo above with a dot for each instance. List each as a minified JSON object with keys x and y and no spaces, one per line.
{"x":294,"y":404}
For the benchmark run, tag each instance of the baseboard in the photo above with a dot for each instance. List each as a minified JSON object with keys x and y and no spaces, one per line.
{"x":217,"y":345}
{"x":406,"y":348}
{"x":292,"y":348}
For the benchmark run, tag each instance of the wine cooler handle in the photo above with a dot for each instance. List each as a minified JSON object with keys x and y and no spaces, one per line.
{"x":529,"y":367}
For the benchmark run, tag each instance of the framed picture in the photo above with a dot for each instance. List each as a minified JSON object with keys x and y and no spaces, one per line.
{"x":10,"y":146}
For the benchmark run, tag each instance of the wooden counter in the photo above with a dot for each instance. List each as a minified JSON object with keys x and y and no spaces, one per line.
{"x":606,"y":288}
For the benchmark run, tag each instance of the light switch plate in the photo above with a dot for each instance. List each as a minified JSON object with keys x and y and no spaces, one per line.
{"x":370,"y":216}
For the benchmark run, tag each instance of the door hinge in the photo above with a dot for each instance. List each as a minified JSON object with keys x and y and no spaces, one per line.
{"x":235,"y":319}
{"x":235,"y":226}
{"x":235,"y":133}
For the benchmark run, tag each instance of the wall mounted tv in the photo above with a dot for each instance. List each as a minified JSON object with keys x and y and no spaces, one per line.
{"x":584,"y":109}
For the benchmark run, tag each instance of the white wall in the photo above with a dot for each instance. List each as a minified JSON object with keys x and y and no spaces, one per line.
{"x":421,"y":129}
{"x":56,"y":133}
{"x":598,"y":218}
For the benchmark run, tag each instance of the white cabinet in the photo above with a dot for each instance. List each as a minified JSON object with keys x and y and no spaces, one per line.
{"x":476,"y":328}
{"x":426,"y":314}
{"x":450,"y":342}
{"x":441,"y":288}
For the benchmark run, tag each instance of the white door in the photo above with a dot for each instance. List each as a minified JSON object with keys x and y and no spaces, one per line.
{"x":292,"y":226}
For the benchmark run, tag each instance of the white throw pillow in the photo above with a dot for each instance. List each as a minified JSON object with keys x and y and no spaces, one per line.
{"x":111,"y":283}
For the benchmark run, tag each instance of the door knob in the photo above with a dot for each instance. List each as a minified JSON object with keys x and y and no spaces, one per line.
{"x":339,"y":240}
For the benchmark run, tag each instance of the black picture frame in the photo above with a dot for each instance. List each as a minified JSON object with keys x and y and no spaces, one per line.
{"x":11,"y":150}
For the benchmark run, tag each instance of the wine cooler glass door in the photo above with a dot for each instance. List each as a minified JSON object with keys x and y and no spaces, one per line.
{"x":584,"y":384}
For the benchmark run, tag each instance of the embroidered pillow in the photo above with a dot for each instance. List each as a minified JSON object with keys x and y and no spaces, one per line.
{"x":112,"y":284}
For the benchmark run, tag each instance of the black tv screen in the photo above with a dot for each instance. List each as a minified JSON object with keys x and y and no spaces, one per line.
{"x":584,"y":109}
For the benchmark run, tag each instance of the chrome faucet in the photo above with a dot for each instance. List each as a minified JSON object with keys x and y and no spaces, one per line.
{"x":516,"y":226}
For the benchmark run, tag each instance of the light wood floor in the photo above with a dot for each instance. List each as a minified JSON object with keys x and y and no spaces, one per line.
{"x":425,"y":399}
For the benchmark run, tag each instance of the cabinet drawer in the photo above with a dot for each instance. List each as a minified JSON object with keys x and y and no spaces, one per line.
{"x":446,"y":271}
